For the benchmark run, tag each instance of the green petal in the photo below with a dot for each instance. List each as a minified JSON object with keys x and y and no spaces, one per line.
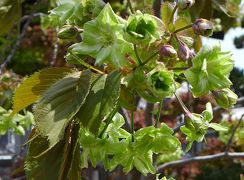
{"x":210,"y":70}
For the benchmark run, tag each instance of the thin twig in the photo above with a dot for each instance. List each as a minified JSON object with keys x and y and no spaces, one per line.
{"x":132,"y":126}
{"x":157,"y":8}
{"x":173,"y":13}
{"x":25,"y":17}
{"x":55,"y":49}
{"x":19,"y":39}
{"x":232,"y":134}
{"x":130,"y":6}
{"x":200,"y":159}
{"x":87,"y":65}
{"x":16,"y":46}
{"x":159,"y":113}
{"x":109,"y":120}
{"x":183,"y":28}
{"x":124,"y":112}
{"x":185,"y":109}
{"x":137,"y":55}
{"x":150,"y":58}
{"x":178,"y":68}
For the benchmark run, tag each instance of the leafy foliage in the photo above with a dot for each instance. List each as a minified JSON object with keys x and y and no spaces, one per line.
{"x":117,"y":143}
{"x":210,"y":70}
{"x":196,"y":125}
{"x":10,"y":12}
{"x":33,"y":87}
{"x":62,"y":157}
{"x":60,"y":103}
{"x":137,"y":55}
{"x":18,"y":123}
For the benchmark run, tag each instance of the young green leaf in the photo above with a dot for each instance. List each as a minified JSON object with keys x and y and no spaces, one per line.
{"x":217,"y":127}
{"x":102,"y":98}
{"x":62,"y":160}
{"x":10,"y":13}
{"x":33,"y":87}
{"x":60,"y":103}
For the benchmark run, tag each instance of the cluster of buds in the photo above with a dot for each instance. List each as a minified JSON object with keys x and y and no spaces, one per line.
{"x":184,"y":52}
{"x":203,"y":27}
{"x":168,"y":51}
{"x":185,"y":4}
{"x":68,"y":32}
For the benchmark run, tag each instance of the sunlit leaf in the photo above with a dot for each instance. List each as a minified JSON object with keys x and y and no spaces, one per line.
{"x":60,"y":103}
{"x":33,"y":87}
{"x":57,"y":163}
{"x":102,"y":98}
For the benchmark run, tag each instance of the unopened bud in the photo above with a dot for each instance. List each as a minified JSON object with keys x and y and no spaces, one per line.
{"x":185,"y":4}
{"x":203,"y":27}
{"x":168,"y":51}
{"x":225,"y":98}
{"x":68,"y":32}
{"x":185,"y":53}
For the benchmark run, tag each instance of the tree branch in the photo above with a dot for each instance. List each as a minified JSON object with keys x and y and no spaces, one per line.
{"x":55,"y":49}
{"x":14,"y":49}
{"x":28,"y":19}
{"x":157,"y":8}
{"x":200,"y":159}
{"x":232,"y":135}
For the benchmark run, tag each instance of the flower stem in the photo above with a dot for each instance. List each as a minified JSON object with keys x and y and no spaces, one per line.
{"x":180,"y":77}
{"x":132,"y":126}
{"x":173,"y":13}
{"x":159,"y":114}
{"x":137,"y":55}
{"x":182,"y":29}
{"x":108,"y":120}
{"x":178,"y":68}
{"x":185,"y":109}
{"x":86,"y":64}
{"x":130,"y":6}
{"x":148,"y":59}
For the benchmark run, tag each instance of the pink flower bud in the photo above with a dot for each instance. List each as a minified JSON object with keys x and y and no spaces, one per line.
{"x":185,"y":4}
{"x":203,"y":27}
{"x":168,"y":51}
{"x":185,"y":53}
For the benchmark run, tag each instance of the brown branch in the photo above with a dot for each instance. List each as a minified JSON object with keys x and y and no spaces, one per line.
{"x":232,"y":135}
{"x":148,"y":114}
{"x":200,"y":159}
{"x":28,"y":19}
{"x":157,"y":8}
{"x":14,"y":49}
{"x":55,"y":49}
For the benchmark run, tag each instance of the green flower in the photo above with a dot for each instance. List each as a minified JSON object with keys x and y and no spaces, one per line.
{"x":103,"y":39}
{"x":160,"y":81}
{"x":196,"y":125}
{"x":143,"y":28}
{"x":74,"y":11}
{"x":210,"y":70}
